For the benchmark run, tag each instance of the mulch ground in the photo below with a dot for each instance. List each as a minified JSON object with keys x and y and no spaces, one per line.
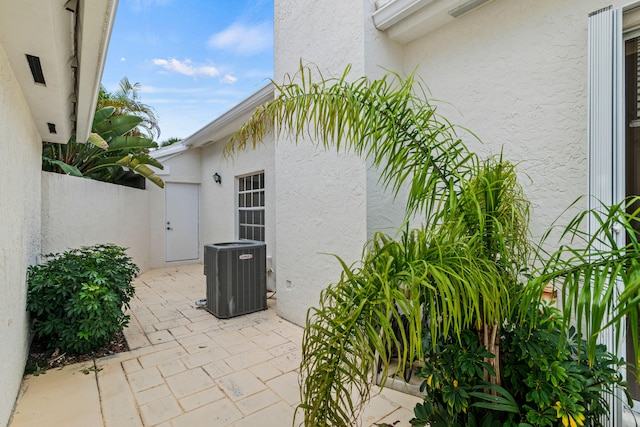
{"x":40,"y":358}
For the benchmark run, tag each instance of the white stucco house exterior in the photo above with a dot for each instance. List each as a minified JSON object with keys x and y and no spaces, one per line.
{"x":544,"y":81}
{"x":51,"y":58}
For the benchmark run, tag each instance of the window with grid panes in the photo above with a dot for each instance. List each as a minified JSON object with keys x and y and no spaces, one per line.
{"x":251,"y":207}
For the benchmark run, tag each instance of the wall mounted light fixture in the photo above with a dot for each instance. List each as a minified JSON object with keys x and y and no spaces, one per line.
{"x":217,"y":178}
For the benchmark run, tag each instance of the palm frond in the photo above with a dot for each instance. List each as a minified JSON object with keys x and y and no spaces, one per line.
{"x":421,"y":275}
{"x":385,"y":120}
{"x":455,"y":273}
{"x":599,"y":279}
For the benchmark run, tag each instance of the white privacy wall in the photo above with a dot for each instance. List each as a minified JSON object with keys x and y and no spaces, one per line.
{"x":515,"y":73}
{"x":20,"y":150}
{"x":82,"y":212}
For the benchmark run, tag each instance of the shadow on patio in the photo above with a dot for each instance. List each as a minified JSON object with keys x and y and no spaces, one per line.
{"x":187,"y":368}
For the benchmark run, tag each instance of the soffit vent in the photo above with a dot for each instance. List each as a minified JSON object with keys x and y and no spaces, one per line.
{"x":52,"y":127}
{"x":36,"y":69}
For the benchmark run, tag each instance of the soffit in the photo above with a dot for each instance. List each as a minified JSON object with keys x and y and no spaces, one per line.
{"x":71,"y":53}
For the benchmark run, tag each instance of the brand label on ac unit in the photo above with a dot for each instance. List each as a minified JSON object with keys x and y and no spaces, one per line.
{"x":245,"y":256}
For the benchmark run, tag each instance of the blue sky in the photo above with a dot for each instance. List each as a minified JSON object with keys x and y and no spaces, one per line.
{"x":194,"y":59}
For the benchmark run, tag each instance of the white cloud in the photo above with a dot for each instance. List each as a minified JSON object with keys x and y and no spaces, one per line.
{"x":244,"y":39}
{"x":123,"y":59}
{"x":187,"y":68}
{"x":228,"y":78}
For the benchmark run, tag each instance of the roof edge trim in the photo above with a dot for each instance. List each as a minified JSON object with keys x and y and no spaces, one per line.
{"x":223,"y":125}
{"x":395,"y":11}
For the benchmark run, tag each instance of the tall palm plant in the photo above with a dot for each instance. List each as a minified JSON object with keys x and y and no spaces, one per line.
{"x":460,"y":271}
{"x":126,"y":101}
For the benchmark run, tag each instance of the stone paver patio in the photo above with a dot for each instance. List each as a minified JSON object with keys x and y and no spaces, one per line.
{"x":187,"y":368}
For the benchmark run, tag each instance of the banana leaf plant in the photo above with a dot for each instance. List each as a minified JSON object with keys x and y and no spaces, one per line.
{"x":108,"y":152}
{"x":463,"y":269}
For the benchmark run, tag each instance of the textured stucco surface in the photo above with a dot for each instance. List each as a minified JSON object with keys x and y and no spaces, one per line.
{"x":321,"y":196}
{"x":20,"y":149}
{"x":219,"y":201}
{"x":181,"y":168}
{"x":385,"y":212}
{"x":82,"y":212}
{"x":515,"y":73}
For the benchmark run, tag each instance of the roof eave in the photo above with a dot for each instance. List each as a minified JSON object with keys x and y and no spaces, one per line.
{"x":94,"y":32}
{"x":408,"y":20}
{"x":66,"y":43}
{"x":226,"y":124}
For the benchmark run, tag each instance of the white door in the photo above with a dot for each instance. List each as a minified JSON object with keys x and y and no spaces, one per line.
{"x":181,"y":221}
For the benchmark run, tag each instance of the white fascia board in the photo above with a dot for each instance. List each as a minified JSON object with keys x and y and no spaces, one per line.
{"x":165,"y":152}
{"x":395,"y":11}
{"x":230,"y":121}
{"x":95,"y":23}
{"x":408,"y":20}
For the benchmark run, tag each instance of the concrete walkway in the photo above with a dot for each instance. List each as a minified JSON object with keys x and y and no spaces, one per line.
{"x":187,"y":368}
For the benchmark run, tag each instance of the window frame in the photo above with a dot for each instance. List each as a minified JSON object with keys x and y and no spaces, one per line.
{"x":253,"y":206}
{"x":608,"y":31}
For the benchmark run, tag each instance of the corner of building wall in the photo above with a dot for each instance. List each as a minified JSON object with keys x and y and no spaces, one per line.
{"x":20,"y":228}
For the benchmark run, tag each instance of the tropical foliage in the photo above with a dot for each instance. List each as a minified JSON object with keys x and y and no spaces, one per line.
{"x":109,"y":153}
{"x":465,"y":283}
{"x":77,"y":299}
{"x":126,"y":101}
{"x":546,"y":380}
{"x":169,"y":141}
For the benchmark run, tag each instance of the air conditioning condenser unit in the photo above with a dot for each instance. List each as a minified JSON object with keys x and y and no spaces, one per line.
{"x":236,"y":274}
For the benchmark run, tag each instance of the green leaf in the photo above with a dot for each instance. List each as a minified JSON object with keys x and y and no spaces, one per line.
{"x":134,"y":164}
{"x":504,"y":401}
{"x":103,"y":114}
{"x":123,"y":124}
{"x":126,"y":143}
{"x":116,"y":126}
{"x":68,"y":169}
{"x":98,"y":141}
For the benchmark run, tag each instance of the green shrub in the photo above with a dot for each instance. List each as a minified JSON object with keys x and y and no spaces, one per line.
{"x":546,"y":379}
{"x":77,"y":298}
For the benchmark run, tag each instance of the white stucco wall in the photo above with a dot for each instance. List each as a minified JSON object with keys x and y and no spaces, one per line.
{"x":180,"y":168}
{"x":82,"y":212}
{"x":20,"y":162}
{"x":385,"y":212}
{"x":219,"y":201}
{"x":515,"y":73}
{"x":321,"y":196}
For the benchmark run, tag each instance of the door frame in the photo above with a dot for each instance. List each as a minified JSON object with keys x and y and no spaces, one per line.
{"x":165,"y":225}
